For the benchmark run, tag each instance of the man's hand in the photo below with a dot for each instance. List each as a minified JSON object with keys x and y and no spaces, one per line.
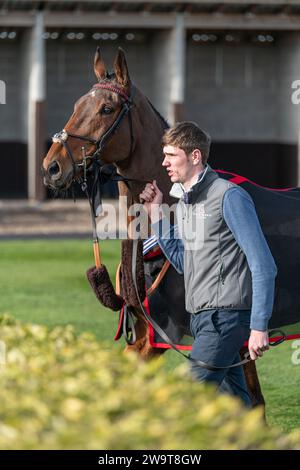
{"x":258,"y":343}
{"x":152,"y":197}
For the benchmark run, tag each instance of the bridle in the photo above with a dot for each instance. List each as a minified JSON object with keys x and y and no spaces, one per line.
{"x":63,"y":136}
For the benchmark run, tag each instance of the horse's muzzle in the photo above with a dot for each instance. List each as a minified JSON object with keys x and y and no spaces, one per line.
{"x":53,"y":176}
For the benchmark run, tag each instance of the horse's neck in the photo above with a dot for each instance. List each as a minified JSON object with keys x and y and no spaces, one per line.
{"x":145,"y":163}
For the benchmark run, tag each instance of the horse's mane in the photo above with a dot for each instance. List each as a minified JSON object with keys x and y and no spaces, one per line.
{"x":164,"y":121}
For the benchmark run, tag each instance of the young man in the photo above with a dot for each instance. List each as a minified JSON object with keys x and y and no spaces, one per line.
{"x":229,"y":272}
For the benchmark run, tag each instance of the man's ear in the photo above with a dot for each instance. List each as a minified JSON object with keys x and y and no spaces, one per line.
{"x":196,"y":157}
{"x":99,"y":66}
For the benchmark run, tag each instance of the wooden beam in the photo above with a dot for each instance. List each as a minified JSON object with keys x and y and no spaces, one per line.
{"x":17,"y":19}
{"x":246,"y":21}
{"x":107,"y":20}
{"x":207,"y":21}
{"x":206,"y":2}
{"x":222,"y":21}
{"x":182,"y":3}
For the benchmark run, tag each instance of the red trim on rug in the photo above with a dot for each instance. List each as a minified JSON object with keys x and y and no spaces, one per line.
{"x":119,"y":329}
{"x":179,"y":346}
{"x":235,"y":176}
{"x":153,"y":253}
{"x":152,"y":333}
{"x":238,"y":179}
{"x":276,"y":338}
{"x":166,"y":346}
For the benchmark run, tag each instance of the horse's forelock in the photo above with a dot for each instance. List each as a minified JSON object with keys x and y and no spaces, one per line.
{"x":109,"y":76}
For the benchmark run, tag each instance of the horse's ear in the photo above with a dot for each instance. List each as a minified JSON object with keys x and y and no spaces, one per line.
{"x":121,"y":69}
{"x":99,"y":66}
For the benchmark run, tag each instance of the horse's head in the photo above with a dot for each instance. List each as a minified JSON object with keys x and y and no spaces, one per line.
{"x":91,"y":127}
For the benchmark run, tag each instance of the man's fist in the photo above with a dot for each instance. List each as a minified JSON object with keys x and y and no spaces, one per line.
{"x":151,"y":196}
{"x":258,"y":343}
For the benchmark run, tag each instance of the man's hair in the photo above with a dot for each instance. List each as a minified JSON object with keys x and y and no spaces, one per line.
{"x":188,"y":136}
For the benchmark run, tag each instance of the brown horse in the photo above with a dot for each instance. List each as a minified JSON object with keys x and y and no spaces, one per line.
{"x":134,"y":147}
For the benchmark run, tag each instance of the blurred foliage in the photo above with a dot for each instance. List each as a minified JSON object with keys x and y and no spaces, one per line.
{"x":43,"y":281}
{"x":59,"y":390}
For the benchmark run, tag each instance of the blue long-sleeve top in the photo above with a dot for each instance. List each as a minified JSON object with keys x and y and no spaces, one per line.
{"x":240,"y":216}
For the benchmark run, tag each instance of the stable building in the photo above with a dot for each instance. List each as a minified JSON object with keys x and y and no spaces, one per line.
{"x":232,"y":66}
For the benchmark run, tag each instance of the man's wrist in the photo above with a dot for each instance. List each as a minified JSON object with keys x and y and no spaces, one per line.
{"x":253,"y":330}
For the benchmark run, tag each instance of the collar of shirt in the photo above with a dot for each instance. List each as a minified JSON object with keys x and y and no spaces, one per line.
{"x":178,"y":190}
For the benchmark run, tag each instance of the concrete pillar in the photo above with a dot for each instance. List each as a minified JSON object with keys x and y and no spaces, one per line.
{"x":168,"y":52}
{"x":177,"y":70}
{"x":36,"y":109}
{"x":2,"y":92}
{"x":161,"y":71}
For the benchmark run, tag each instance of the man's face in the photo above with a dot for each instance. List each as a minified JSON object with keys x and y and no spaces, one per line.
{"x":178,"y":164}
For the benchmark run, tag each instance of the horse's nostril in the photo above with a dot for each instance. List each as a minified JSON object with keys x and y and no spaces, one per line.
{"x":54,"y":169}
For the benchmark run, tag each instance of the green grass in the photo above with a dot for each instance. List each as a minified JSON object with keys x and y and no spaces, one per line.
{"x":280,"y":381}
{"x":44,"y":282}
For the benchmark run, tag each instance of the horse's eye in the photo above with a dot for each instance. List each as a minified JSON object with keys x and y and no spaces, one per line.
{"x":106,"y":110}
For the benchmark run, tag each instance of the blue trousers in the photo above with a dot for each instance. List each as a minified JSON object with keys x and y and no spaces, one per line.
{"x":218,"y":337}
